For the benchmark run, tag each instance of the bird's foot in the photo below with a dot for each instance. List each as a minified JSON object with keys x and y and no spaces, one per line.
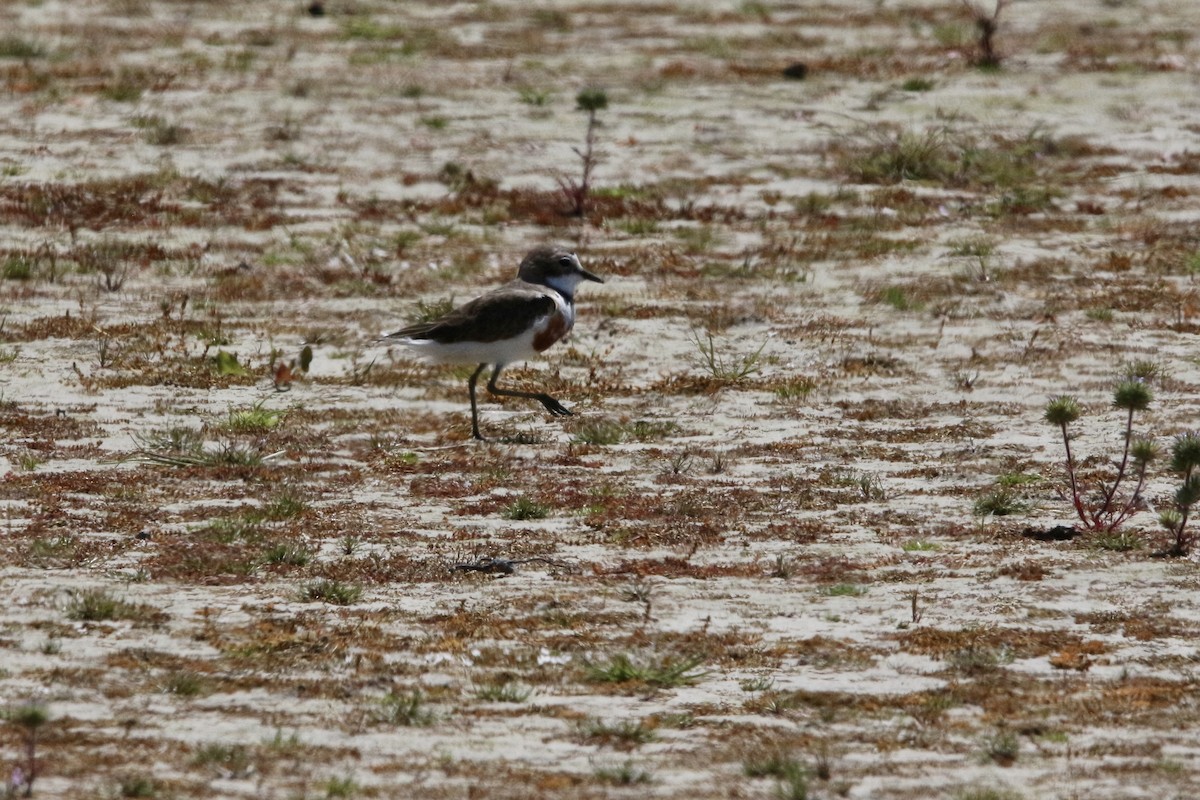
{"x":553,"y":406}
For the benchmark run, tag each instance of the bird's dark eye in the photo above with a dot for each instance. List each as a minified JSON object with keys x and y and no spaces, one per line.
{"x":564,"y":261}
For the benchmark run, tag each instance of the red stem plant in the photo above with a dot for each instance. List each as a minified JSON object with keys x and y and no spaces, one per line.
{"x":1104,"y":509}
{"x":576,"y":192}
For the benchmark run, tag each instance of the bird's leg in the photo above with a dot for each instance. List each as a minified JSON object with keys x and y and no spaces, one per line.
{"x":553,"y":406}
{"x":474,"y":412}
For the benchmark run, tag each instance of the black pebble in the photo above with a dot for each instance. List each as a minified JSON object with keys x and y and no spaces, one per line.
{"x":796,"y":72}
{"x":1059,"y":533}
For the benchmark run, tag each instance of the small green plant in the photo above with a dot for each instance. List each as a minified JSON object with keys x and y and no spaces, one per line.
{"x":628,"y":733}
{"x":364,"y":27}
{"x":1118,"y":541}
{"x":28,"y":719}
{"x":727,"y":369}
{"x":795,"y":389}
{"x":627,"y":774}
{"x":288,"y":554}
{"x":279,"y":743}
{"x":227,"y":530}
{"x":17,"y":268}
{"x":666,"y":673}
{"x":591,"y":101}
{"x":1105,"y":509}
{"x":979,"y":659}
{"x":239,"y":60}
{"x":184,"y":447}
{"x":897,"y":298}
{"x":137,"y":786}
{"x":1001,"y":502}
{"x":334,"y":592}
{"x":340,"y":787}
{"x":975,"y":247}
{"x":99,"y":605}
{"x":15,"y":47}
{"x":917,"y":85}
{"x":430,"y":310}
{"x":1002,"y":747}
{"x":1185,"y":462}
{"x":526,"y":508}
{"x":760,"y":684}
{"x":793,"y":787}
{"x":256,"y":419}
{"x":231,"y":759}
{"x":504,"y":692}
{"x":648,"y":430}
{"x":1013,"y":479}
{"x":791,"y":774}
{"x":905,"y":156}
{"x":636,"y":226}
{"x":844,"y":590}
{"x":286,"y":505}
{"x":44,"y":549}
{"x":127,"y":86}
{"x":177,"y":440}
{"x":185,"y":683}
{"x":533,"y":96}
{"x":404,"y":709}
{"x":599,"y":432}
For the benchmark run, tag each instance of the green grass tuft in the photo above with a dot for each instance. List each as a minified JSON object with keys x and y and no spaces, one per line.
{"x":666,"y":673}
{"x":525,"y":508}
{"x":334,"y":592}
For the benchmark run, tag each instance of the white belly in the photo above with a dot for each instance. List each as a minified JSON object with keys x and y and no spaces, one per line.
{"x":504,"y":351}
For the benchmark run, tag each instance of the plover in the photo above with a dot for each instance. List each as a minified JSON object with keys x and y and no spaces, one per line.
{"x":512,"y":323}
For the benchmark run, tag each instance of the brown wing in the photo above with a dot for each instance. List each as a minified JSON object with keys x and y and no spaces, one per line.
{"x":497,"y":315}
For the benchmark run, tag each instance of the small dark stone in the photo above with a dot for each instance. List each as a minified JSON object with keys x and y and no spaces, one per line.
{"x":490,"y":566}
{"x":1059,"y":533}
{"x":143,"y":535}
{"x":796,"y":72}
{"x":316,"y":9}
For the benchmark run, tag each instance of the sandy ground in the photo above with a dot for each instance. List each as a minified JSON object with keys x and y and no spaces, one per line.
{"x":786,"y":537}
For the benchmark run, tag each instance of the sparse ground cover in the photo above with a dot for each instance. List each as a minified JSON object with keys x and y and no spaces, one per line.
{"x":812,"y":531}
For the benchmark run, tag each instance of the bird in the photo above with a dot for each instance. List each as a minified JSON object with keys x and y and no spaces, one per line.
{"x":511,"y":323}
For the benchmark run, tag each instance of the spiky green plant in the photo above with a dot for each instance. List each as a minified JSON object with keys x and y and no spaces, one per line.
{"x":28,"y":719}
{"x":666,"y":673}
{"x":591,"y":101}
{"x":1185,"y":460}
{"x":1106,"y":509}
